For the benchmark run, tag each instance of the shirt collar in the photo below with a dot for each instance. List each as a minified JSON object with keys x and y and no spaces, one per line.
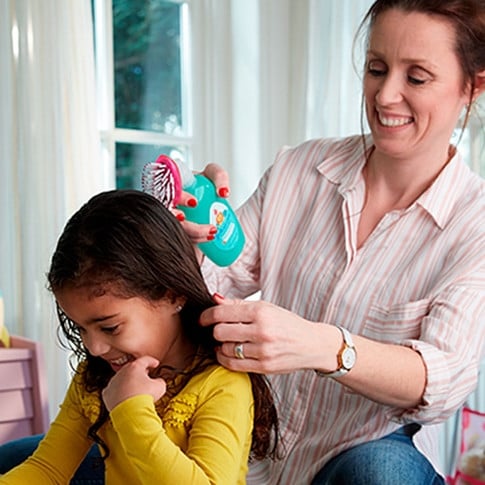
{"x":343,"y":167}
{"x":441,"y":197}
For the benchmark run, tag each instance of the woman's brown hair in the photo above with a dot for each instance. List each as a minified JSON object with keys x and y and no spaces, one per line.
{"x":467,"y":17}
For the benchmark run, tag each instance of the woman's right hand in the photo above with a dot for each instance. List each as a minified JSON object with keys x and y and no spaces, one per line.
{"x":200,"y":233}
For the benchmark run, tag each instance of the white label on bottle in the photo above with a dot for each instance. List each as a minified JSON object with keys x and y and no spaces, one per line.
{"x":221,"y":217}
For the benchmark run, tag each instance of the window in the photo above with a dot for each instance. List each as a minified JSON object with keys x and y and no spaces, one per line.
{"x":471,"y":140}
{"x":143,"y":73}
{"x":477,"y":138}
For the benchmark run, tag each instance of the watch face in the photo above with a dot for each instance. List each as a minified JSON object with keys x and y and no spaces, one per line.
{"x":348,"y":358}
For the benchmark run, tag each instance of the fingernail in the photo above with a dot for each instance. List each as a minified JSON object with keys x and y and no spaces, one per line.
{"x":180,"y":216}
{"x":223,"y":192}
{"x":217,"y":295}
{"x":212,"y":230}
{"x":192,"y":202}
{"x":210,"y":237}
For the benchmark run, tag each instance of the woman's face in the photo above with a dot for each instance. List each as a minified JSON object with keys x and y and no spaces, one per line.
{"x":120,"y":330}
{"x":413,"y":84}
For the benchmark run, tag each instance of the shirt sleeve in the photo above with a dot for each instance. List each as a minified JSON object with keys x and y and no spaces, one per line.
{"x":452,"y":349}
{"x":219,"y":435}
{"x":61,"y":450}
{"x":452,"y":336}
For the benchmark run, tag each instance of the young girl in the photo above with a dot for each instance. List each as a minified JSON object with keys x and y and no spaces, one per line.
{"x":147,"y":389}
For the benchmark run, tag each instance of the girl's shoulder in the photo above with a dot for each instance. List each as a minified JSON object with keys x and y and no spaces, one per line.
{"x":218,"y":384}
{"x":218,"y":377}
{"x":215,"y":388}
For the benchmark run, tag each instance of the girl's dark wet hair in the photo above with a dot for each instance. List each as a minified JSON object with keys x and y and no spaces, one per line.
{"x":126,"y":243}
{"x":467,"y":17}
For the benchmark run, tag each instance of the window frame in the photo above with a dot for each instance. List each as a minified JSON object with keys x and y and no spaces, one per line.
{"x":110,"y":135}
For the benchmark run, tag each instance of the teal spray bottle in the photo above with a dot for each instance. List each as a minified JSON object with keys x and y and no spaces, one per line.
{"x":165,"y":179}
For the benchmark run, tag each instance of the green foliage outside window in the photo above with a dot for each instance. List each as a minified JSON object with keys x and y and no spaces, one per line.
{"x":147,"y":65}
{"x":147,"y":79}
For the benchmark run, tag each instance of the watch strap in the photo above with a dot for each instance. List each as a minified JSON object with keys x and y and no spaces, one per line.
{"x":347,"y":343}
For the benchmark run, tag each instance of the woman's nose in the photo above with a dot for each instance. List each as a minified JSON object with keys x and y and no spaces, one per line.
{"x":390,"y":90}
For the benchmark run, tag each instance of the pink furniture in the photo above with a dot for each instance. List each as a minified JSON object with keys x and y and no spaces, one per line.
{"x":23,"y":390}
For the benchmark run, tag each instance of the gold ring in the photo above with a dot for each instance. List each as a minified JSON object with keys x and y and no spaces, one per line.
{"x":238,"y":351}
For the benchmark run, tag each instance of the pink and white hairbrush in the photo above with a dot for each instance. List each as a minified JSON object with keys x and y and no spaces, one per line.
{"x":163,"y":180}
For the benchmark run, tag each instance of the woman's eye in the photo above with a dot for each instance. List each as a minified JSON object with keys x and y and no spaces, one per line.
{"x":110,"y":330}
{"x":376,"y":72}
{"x":416,"y":81}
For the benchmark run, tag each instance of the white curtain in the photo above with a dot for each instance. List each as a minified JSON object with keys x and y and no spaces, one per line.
{"x":49,"y":156}
{"x":333,"y":103}
{"x":270,"y":73}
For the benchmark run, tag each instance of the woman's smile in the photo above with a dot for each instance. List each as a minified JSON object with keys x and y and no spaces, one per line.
{"x":393,"y":121}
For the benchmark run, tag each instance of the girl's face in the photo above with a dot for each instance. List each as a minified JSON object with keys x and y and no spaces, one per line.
{"x":413,"y":84}
{"x":120,"y":330}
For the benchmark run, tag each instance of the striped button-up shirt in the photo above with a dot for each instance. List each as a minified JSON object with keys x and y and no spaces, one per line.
{"x":418,"y":280}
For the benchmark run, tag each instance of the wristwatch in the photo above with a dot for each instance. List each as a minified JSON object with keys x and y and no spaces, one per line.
{"x":346,"y":356}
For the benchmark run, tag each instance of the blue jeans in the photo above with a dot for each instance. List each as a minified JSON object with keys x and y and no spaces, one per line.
{"x":90,"y":472}
{"x":390,"y":460}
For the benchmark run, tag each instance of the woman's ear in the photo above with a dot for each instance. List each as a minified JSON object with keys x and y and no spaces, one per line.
{"x":479,"y":85}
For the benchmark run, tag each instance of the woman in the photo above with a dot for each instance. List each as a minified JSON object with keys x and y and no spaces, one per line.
{"x":369,"y":253}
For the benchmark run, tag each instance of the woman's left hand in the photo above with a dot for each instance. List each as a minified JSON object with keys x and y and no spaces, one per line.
{"x":260,"y":337}
{"x":257,"y":336}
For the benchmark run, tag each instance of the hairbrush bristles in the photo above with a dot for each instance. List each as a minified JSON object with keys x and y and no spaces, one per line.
{"x":161,"y":179}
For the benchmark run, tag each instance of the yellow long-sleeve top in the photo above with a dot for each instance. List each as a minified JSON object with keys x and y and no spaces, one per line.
{"x":202,"y":436}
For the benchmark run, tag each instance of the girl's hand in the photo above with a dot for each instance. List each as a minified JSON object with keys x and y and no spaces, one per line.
{"x":274,"y":340}
{"x":132,"y":380}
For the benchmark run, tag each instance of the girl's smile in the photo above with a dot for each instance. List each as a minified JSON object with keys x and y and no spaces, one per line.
{"x":119,"y":363}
